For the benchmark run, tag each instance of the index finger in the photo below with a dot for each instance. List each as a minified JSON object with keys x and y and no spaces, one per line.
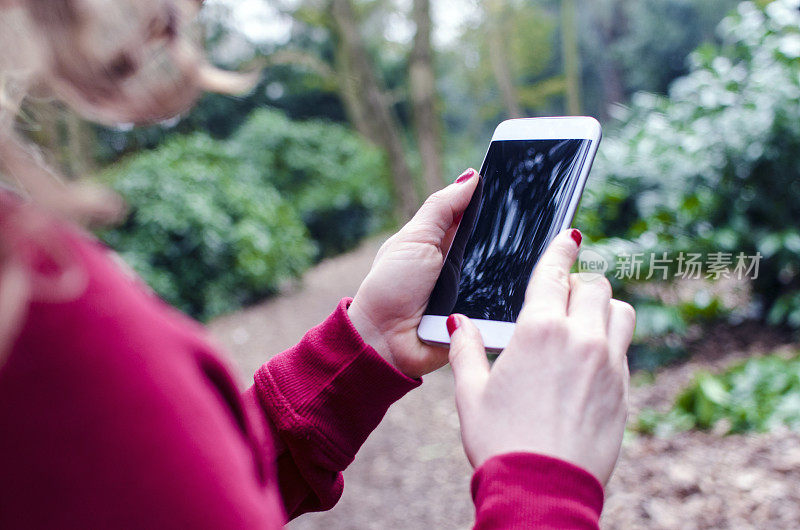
{"x":548,"y":290}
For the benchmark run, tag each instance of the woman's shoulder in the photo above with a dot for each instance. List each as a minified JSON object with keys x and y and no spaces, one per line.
{"x":81,"y":295}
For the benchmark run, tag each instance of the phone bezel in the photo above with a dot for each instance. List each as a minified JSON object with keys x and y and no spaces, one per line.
{"x":496,"y":334}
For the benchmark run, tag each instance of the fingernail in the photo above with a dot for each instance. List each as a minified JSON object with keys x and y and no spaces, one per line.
{"x":458,"y":218}
{"x":465,"y":176}
{"x":452,"y":324}
{"x":576,"y":236}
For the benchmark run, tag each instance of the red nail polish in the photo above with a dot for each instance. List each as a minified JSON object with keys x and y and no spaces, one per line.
{"x":458,"y":218}
{"x":452,"y":324}
{"x":576,"y":236}
{"x":465,"y":176}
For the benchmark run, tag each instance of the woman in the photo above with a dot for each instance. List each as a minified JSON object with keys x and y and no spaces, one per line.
{"x":117,"y":412}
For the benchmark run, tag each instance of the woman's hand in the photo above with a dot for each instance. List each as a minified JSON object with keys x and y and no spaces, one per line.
{"x":560,"y":388}
{"x":390,"y":302}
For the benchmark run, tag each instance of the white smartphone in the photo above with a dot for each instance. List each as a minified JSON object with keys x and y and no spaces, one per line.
{"x":531,"y":182}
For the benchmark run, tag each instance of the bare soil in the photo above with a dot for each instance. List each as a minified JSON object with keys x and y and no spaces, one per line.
{"x":412,"y":472}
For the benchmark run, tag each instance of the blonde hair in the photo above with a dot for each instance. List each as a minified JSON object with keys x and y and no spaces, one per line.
{"x":112,"y":61}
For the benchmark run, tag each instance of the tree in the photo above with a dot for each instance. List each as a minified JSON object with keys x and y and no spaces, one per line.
{"x":367,"y":104}
{"x":79,"y":140}
{"x":65,"y":138}
{"x":516,"y":72}
{"x":498,"y":57}
{"x":572,"y":67}
{"x":609,"y":22}
{"x":422,"y":82}
{"x":633,"y":45}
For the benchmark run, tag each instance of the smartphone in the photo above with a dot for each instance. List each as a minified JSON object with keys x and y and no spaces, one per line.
{"x":531,"y":182}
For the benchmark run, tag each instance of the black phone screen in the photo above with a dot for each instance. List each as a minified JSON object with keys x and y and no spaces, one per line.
{"x":519,"y":206}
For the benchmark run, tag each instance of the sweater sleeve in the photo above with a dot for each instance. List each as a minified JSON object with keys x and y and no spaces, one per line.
{"x":526,"y":490}
{"x":323,"y":397}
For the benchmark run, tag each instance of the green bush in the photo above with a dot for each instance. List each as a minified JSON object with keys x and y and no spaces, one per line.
{"x":218,"y":224}
{"x":204,"y":231}
{"x":760,"y":394}
{"x":713,"y":167}
{"x":338,"y":183}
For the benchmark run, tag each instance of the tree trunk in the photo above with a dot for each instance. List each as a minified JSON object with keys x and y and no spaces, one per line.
{"x":79,"y":142}
{"x":422,"y":81}
{"x":611,"y":28}
{"x":46,"y":116}
{"x":367,"y":104}
{"x":350,"y":91}
{"x":498,"y":56}
{"x":572,"y":64}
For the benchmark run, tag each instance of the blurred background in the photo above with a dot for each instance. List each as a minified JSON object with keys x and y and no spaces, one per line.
{"x":276,"y":202}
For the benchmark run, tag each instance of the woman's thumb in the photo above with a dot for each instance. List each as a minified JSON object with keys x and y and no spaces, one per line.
{"x":467,"y":356}
{"x":445,"y":206}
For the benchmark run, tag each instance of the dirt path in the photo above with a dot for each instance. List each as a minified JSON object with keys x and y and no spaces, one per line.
{"x":412,"y":473}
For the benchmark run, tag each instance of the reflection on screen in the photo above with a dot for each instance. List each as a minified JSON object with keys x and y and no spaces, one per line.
{"x":518,"y":207}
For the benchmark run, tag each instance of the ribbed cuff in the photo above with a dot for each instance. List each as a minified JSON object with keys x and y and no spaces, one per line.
{"x":331,"y":386}
{"x":527,"y":490}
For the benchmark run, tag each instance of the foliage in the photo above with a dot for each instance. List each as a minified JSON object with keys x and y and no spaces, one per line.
{"x":204,"y":231}
{"x":217,"y":224}
{"x":527,"y":50}
{"x":283,"y":86}
{"x":713,"y":167}
{"x":760,"y":394}
{"x":666,"y":32}
{"x":338,"y":183}
{"x":642,"y":46}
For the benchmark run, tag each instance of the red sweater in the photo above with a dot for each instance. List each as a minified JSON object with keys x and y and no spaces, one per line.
{"x":117,"y":412}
